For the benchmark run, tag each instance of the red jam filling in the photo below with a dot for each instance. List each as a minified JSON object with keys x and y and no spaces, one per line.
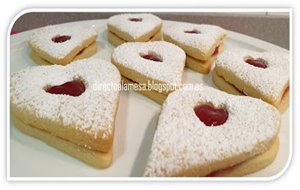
{"x":192,"y":31}
{"x":135,"y":19}
{"x":80,"y":52}
{"x":261,"y":63}
{"x":60,"y":39}
{"x":216,"y":51}
{"x":210,"y":115}
{"x":71,"y":88}
{"x":152,"y":57}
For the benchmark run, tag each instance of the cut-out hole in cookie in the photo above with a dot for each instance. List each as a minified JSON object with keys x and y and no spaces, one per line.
{"x":210,"y":115}
{"x":152,"y":56}
{"x":61,"y":39}
{"x":192,"y":31}
{"x":135,"y":19}
{"x":72,"y":88}
{"x":259,"y":62}
{"x":216,"y":51}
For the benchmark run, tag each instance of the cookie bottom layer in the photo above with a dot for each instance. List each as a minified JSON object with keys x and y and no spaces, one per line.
{"x":85,"y":53}
{"x":231,"y":89}
{"x":93,"y":158}
{"x":116,"y":40}
{"x":251,"y":165}
{"x":203,"y":66}
{"x":152,"y":94}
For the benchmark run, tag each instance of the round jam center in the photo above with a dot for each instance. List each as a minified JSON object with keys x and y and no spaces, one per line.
{"x":261,"y":63}
{"x":71,"y":88}
{"x":192,"y":31}
{"x":135,"y":19}
{"x":152,"y":57}
{"x":211,"y":116}
{"x":60,"y":39}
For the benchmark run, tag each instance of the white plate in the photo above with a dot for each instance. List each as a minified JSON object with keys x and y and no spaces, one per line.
{"x":135,"y":122}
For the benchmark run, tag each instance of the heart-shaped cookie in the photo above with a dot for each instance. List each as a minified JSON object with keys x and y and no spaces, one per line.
{"x":199,"y":41}
{"x":183,"y":145}
{"x":135,"y":56}
{"x":262,"y":75}
{"x":67,"y":101}
{"x":151,"y":63}
{"x":133,"y":27}
{"x":61,"y":44}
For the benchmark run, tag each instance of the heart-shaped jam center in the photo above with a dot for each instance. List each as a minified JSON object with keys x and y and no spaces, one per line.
{"x":152,"y":57}
{"x":210,"y":115}
{"x":261,"y":63}
{"x":61,"y":39}
{"x":216,"y":51}
{"x":135,"y":19}
{"x":71,"y":88}
{"x":192,"y":31}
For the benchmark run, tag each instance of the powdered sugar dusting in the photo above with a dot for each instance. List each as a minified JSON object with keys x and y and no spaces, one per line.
{"x":135,"y":29}
{"x":168,"y":71}
{"x":205,"y":41}
{"x":42,"y":39}
{"x":182,"y":141}
{"x":271,"y":81}
{"x":91,"y":112}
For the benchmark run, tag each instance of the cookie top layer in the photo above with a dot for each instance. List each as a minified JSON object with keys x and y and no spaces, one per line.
{"x":91,"y":112}
{"x":42,"y":39}
{"x":271,"y":81}
{"x":168,"y":71}
{"x":202,"y":37}
{"x":183,"y":142}
{"x":135,"y":29}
